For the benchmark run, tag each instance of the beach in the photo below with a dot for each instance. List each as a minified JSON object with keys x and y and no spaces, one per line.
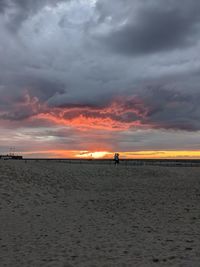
{"x":62,"y":215}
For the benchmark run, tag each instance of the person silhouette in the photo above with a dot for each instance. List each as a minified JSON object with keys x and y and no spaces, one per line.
{"x":116,"y":158}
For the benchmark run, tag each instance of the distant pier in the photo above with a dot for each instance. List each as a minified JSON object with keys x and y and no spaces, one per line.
{"x":7,"y":157}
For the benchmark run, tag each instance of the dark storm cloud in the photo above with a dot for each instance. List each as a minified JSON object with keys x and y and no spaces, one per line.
{"x":170,"y":109}
{"x":156,"y":26}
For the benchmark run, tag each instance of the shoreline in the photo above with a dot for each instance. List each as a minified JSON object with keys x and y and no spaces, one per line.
{"x":124,"y":162}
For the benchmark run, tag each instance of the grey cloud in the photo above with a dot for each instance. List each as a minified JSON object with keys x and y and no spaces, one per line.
{"x":79,"y":99}
{"x":21,"y":10}
{"x":157,"y":140}
{"x":170,"y":109}
{"x":3,"y":5}
{"x":28,"y":6}
{"x":23,"y":108}
{"x":17,"y":115}
{"x":156,"y":26}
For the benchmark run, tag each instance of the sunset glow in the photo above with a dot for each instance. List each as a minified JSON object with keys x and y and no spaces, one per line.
{"x":88,"y":78}
{"x":109,"y":155}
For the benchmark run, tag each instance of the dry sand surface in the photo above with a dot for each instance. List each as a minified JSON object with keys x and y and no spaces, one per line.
{"x":58,"y":214}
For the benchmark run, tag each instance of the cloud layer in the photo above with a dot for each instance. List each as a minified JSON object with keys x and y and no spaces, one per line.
{"x":116,"y":67}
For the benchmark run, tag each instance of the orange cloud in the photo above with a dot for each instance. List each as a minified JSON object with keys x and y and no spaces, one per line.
{"x":120,"y":114}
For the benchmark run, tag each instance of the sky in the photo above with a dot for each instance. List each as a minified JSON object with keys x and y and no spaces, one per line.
{"x":86,"y":78}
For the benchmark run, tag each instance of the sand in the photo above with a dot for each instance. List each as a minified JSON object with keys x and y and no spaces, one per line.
{"x":58,"y":214}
